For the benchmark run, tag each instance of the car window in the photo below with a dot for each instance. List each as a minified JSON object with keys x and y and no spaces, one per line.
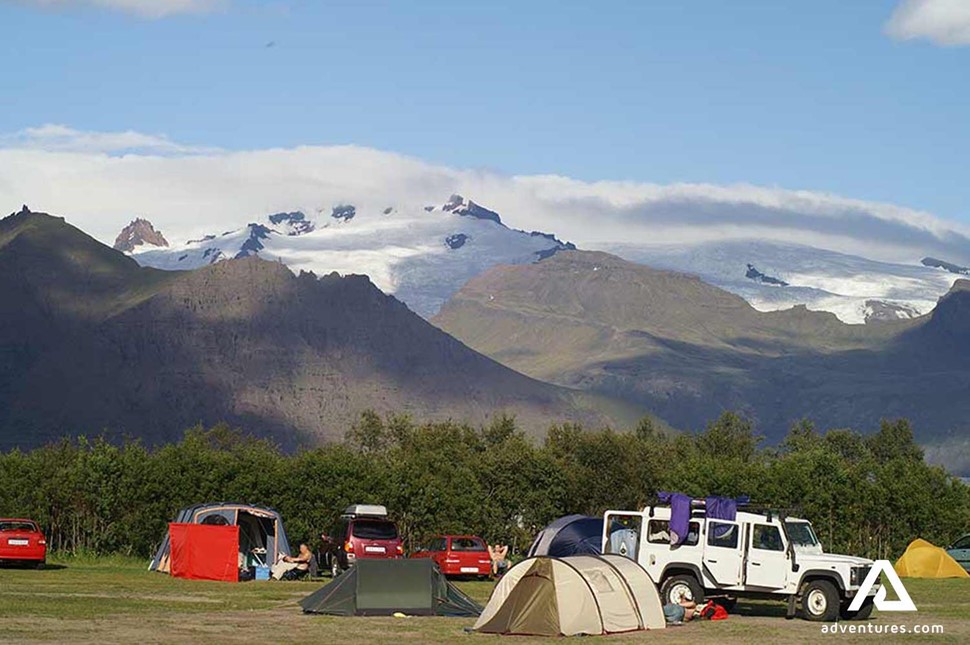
{"x":963,"y":543}
{"x":766,"y":538}
{"x":374,"y":530}
{"x":722,"y":534}
{"x":9,"y":525}
{"x":438,"y":544}
{"x":467,"y":544}
{"x":658,"y":532}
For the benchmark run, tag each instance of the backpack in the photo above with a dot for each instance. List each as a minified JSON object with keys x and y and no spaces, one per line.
{"x":713,"y":611}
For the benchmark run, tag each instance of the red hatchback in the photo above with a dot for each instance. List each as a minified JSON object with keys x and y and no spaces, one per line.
{"x":22,"y":542}
{"x":458,"y":555}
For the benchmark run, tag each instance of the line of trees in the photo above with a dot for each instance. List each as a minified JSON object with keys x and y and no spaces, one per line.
{"x":867,"y":495}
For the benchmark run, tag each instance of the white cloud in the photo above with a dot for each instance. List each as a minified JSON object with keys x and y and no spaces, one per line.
{"x":188,"y":192}
{"x":150,"y":9}
{"x":945,"y":22}
{"x":54,"y":137}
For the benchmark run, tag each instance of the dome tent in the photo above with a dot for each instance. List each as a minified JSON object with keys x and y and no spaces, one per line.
{"x":587,"y":594}
{"x":569,"y":535}
{"x":379,"y":587}
{"x":924,"y":560}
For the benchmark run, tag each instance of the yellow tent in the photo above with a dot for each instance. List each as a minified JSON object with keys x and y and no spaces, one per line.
{"x":924,"y":560}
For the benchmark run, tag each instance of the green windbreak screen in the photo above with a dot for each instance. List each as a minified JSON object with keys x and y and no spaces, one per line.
{"x":394,"y":585}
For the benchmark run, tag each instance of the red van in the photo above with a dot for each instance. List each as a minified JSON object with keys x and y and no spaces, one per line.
{"x":458,"y":555}
{"x":22,"y":542}
{"x":363,"y":531}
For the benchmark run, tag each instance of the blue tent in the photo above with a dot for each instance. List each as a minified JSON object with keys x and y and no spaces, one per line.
{"x":570,"y":535}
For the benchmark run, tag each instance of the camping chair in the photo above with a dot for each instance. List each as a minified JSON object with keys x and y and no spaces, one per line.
{"x":311,"y":571}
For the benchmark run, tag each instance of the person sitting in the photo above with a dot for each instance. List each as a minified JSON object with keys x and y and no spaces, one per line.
{"x":680,"y":612}
{"x":297,"y":564}
{"x":498,"y":553}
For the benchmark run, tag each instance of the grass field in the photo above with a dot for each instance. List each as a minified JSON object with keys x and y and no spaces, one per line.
{"x":118,"y":601}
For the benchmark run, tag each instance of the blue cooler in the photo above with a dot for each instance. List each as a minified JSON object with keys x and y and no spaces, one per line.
{"x":262,"y":573}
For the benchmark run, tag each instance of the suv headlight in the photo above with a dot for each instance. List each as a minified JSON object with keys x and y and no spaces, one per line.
{"x":858,"y":574}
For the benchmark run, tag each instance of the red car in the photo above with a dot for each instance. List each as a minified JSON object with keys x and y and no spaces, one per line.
{"x":22,"y":542}
{"x":458,"y":555}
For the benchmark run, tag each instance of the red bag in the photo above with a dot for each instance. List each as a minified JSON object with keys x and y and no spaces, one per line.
{"x":713,"y":611}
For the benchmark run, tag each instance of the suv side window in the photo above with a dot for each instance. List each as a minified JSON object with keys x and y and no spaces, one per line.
{"x":722,"y":534}
{"x":766,"y":537}
{"x":658,"y":532}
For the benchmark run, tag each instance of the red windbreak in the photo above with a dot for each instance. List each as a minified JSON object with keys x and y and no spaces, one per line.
{"x":204,"y":551}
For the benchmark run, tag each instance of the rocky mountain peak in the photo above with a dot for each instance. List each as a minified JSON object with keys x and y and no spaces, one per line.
{"x":467,"y":208}
{"x":139,"y":232}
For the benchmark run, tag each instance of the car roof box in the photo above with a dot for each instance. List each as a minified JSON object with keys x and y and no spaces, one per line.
{"x":365,"y":510}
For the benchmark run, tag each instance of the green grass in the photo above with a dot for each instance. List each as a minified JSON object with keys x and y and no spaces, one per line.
{"x":117,"y":600}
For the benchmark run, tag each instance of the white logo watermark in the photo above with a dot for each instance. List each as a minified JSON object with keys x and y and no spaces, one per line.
{"x":905,"y":603}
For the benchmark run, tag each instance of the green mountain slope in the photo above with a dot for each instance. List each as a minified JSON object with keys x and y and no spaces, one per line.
{"x":688,"y":350}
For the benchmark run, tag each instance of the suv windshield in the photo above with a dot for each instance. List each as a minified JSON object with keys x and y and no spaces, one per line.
{"x":374,"y":530}
{"x":801,"y":534}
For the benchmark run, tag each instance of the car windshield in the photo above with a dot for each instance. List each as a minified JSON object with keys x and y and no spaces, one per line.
{"x":7,"y":525}
{"x":801,"y":534}
{"x":375,"y":530}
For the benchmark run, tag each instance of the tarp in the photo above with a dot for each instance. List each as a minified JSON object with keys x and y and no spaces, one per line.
{"x":925,"y":560}
{"x":204,"y":552}
{"x":587,"y":594}
{"x":381,"y":587}
{"x":569,"y":535}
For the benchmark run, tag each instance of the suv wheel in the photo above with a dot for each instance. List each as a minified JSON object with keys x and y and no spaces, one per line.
{"x":335,"y":569}
{"x":682,"y":587}
{"x":820,"y":601}
{"x":863,"y":614}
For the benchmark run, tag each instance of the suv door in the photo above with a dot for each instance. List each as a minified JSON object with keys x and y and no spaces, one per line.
{"x":767,"y":562}
{"x":722,"y":552}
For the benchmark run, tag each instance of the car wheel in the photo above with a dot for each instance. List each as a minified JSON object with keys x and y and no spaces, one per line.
{"x":820,"y":601}
{"x":862,"y":614}
{"x":39,"y":565}
{"x":682,"y":587}
{"x":335,"y":569}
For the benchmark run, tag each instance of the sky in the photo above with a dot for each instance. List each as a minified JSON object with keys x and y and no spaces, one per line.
{"x":861,"y":100}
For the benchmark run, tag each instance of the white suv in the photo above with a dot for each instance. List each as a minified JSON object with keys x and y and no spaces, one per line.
{"x":758,"y":555}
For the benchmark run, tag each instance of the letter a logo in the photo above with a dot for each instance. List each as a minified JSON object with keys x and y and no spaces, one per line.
{"x":905,"y":603}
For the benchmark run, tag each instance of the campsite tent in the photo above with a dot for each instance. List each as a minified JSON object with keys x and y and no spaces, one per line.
{"x":382,"y":587}
{"x":262,"y":538}
{"x":569,"y":535}
{"x":925,"y":560}
{"x":586,"y":594}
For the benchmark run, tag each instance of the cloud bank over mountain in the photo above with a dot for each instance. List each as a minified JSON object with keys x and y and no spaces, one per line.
{"x":101,"y":180}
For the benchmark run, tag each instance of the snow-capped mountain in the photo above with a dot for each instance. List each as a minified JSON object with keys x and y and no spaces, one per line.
{"x":422,"y":255}
{"x":774,"y":276}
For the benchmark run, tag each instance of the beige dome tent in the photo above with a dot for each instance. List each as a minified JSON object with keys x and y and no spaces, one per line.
{"x":587,"y":594}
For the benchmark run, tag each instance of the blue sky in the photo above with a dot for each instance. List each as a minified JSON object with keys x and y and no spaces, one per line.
{"x":802,"y":95}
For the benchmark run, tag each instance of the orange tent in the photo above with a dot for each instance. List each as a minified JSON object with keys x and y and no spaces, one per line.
{"x":925,"y":560}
